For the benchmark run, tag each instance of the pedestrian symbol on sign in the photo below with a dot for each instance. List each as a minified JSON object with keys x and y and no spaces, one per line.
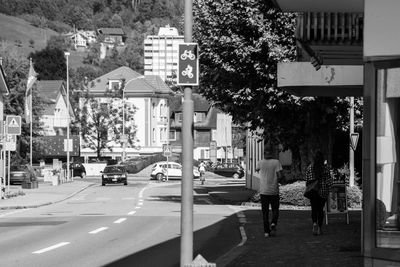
{"x":13,"y":123}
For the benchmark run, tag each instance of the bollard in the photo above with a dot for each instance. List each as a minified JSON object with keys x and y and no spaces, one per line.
{"x":199,"y":261}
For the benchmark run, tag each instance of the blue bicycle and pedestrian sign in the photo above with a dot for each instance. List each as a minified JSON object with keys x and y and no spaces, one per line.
{"x":188,"y":64}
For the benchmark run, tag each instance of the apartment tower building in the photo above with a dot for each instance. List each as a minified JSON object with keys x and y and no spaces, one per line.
{"x":161,"y":53}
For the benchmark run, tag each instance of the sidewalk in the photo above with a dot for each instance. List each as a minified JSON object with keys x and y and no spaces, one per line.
{"x":294,"y":244}
{"x":45,"y":194}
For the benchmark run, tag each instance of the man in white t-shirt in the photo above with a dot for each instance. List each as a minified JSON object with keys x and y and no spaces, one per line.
{"x":270,"y":173}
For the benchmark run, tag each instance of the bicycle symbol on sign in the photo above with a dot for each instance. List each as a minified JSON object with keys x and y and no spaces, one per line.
{"x":188,"y":71}
{"x":187,"y":54}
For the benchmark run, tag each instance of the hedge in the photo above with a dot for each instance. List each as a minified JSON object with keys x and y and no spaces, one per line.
{"x":292,"y":194}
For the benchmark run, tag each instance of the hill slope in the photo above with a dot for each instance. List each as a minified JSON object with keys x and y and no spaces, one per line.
{"x":13,"y":28}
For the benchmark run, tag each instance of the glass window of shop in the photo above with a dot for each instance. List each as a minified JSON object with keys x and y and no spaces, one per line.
{"x":387,"y":158}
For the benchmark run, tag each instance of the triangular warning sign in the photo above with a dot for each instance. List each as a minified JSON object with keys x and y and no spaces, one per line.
{"x":167,"y":150}
{"x":13,"y":123}
{"x":354,"y":140}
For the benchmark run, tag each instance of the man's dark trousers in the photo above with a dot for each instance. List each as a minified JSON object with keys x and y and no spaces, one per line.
{"x":266,"y":200}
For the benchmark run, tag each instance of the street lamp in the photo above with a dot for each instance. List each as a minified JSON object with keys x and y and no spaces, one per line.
{"x":68,"y":118}
{"x":124,"y":138}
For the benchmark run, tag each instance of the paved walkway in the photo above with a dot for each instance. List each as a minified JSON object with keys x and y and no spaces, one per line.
{"x":294,"y":244}
{"x":45,"y":194}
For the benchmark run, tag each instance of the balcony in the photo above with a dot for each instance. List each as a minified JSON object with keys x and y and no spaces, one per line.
{"x":331,"y":38}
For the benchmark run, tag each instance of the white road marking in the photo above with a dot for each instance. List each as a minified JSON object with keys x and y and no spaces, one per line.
{"x":98,"y":230}
{"x":137,"y":207}
{"x":244,"y":236}
{"x":140,"y":203}
{"x":50,"y":248}
{"x":120,"y":220}
{"x":141,"y":192}
{"x":12,"y":212}
{"x":128,"y":198}
{"x":132,"y":212}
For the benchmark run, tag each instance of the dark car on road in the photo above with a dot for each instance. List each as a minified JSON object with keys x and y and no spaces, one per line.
{"x":77,"y":169}
{"x":113,"y":174}
{"x":229,"y":170}
{"x":18,"y":176}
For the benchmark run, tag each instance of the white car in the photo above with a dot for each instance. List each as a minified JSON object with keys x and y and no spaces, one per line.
{"x":173,"y":169}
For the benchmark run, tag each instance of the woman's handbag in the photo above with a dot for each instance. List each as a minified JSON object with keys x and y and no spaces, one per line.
{"x":312,"y":188}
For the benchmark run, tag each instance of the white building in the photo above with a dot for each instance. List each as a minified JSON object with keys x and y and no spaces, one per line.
{"x":161,"y":53}
{"x":149,"y":95}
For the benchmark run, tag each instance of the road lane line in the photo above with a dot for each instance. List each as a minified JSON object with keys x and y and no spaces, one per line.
{"x":141,"y":192}
{"x":244,"y":236}
{"x":50,"y":248}
{"x":137,"y":207}
{"x":12,"y":212}
{"x":132,"y":212}
{"x":120,"y":220}
{"x":140,"y":203}
{"x":98,"y":230}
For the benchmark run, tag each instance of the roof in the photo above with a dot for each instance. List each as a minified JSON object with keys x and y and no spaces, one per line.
{"x":111,"y":31}
{"x":3,"y":85}
{"x":135,"y":83}
{"x":50,"y":91}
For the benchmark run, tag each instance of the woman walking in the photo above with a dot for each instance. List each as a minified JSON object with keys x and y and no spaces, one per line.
{"x":318,"y":171}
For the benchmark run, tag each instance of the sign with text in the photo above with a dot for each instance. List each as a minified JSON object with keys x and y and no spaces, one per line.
{"x":224,"y":130}
{"x":188,"y":64}
{"x":10,"y":142}
{"x":13,"y":125}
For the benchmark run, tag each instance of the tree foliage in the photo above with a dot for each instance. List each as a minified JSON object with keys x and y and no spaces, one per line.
{"x":50,"y":63}
{"x":101,"y":121}
{"x":241,"y":43}
{"x":16,"y":70}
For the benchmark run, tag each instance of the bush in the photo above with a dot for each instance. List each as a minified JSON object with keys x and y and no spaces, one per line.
{"x":292,"y":194}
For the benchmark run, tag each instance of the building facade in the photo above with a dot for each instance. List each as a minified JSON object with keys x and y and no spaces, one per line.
{"x":355,"y":51}
{"x":161,"y":53}
{"x":149,"y":95}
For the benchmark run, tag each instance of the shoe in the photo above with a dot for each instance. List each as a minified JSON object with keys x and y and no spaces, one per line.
{"x":273,"y":229}
{"x":266,"y":235}
{"x":315,"y":229}
{"x":319,"y":231}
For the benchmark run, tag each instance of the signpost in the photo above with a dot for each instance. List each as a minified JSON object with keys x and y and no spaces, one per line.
{"x":13,"y":125}
{"x":188,"y":64}
{"x":167,"y":153}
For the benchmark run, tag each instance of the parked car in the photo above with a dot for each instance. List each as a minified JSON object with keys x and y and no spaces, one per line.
{"x":229,"y":170}
{"x":18,"y":176}
{"x":173,"y":169}
{"x":113,"y":174}
{"x":77,"y":169}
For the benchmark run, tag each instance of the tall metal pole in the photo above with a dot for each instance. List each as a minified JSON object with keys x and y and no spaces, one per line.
{"x":68,"y":117}
{"x":123,"y":124}
{"x":351,"y":155}
{"x":31,"y":128}
{"x":187,"y":157}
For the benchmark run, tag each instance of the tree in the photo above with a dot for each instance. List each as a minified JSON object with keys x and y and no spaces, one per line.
{"x":101,"y":121}
{"x":240,"y":46}
{"x":50,"y":63}
{"x":16,"y":69}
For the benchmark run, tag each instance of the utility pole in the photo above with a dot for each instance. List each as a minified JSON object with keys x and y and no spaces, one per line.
{"x":351,"y":155}
{"x":68,"y":114}
{"x":187,"y":157}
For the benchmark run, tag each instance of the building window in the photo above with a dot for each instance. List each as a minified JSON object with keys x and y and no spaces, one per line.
{"x":178,"y":117}
{"x":213,"y":135}
{"x":172,"y":135}
{"x":387,"y":159}
{"x":199,"y":116}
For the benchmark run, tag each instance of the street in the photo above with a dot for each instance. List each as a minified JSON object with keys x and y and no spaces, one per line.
{"x":115,"y":225}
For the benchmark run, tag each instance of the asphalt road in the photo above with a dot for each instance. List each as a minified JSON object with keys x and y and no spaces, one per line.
{"x":115,"y":225}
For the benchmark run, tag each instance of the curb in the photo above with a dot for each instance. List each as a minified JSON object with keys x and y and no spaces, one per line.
{"x":46,"y":203}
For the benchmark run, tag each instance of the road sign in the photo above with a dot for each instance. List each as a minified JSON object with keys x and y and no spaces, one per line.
{"x":188,"y":64}
{"x":354,"y":140}
{"x":10,"y":142}
{"x":167,"y":151}
{"x":70,"y":145}
{"x":13,"y":125}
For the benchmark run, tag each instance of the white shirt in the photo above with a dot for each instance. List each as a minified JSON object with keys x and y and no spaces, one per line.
{"x":268,"y":177}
